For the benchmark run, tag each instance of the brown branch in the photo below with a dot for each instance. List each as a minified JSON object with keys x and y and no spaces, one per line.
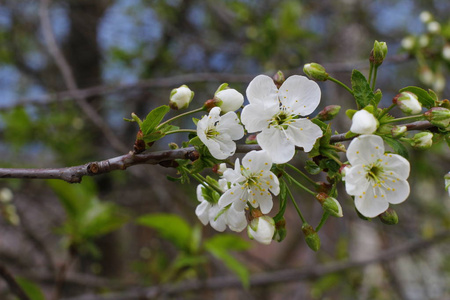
{"x":173,"y":81}
{"x":15,"y":288}
{"x":75,"y":174}
{"x":277,"y":277}
{"x":69,"y":79}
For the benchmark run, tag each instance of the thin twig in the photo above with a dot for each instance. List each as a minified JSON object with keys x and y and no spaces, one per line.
{"x":69,"y":79}
{"x":15,"y":288}
{"x":277,"y":277}
{"x":75,"y":174}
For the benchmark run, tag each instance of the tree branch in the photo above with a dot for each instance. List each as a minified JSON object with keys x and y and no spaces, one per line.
{"x":277,"y":277}
{"x":15,"y":288}
{"x":75,"y":174}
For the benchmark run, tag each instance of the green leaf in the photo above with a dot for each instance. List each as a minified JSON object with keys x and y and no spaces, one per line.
{"x":377,"y":98}
{"x":361,"y":89}
{"x":427,"y":99}
{"x":218,"y":246}
{"x":153,"y":119}
{"x":170,"y":227}
{"x":195,"y":141}
{"x":397,"y":146}
{"x":32,"y":290}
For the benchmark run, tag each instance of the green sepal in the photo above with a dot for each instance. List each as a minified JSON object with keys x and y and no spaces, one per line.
{"x":350,"y":134}
{"x":312,"y":168}
{"x":426,"y":98}
{"x":361,"y":89}
{"x":350,"y":112}
{"x":222,"y":87}
{"x":195,"y":141}
{"x":195,"y":120}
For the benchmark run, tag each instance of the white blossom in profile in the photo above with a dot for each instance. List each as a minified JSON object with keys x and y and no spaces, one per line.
{"x":363,"y":122}
{"x":218,"y":133}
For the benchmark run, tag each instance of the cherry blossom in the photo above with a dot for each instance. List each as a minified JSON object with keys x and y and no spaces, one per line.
{"x":219,"y":132}
{"x":251,"y":183}
{"x":277,"y":114}
{"x":375,"y":178}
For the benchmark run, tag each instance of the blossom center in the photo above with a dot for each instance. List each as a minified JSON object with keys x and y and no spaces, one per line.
{"x":374,"y":172}
{"x":211,"y":132}
{"x":281,"y":119}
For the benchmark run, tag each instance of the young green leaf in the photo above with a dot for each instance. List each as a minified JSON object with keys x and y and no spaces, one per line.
{"x":283,"y":197}
{"x":32,"y":290}
{"x":397,"y":146}
{"x":153,"y":119}
{"x":427,"y":99}
{"x":361,"y":89}
{"x":170,"y":227}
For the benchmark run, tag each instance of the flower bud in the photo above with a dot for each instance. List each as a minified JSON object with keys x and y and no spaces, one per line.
{"x":228,"y":99}
{"x":389,"y":217}
{"x":315,"y":71}
{"x":311,"y":237}
{"x":6,"y":195}
{"x":330,"y":205}
{"x":408,"y":43}
{"x":251,"y":139}
{"x":329,"y":112}
{"x":425,"y":16}
{"x":363,"y":122}
{"x":424,"y":40}
{"x":434,"y":27}
{"x":439,"y":116}
{"x":378,"y":53}
{"x":180,"y":97}
{"x":219,"y":169}
{"x":408,"y":103}
{"x":422,"y":140}
{"x":398,"y":131}
{"x":261,"y":229}
{"x":446,"y":52}
{"x":426,"y":75}
{"x":447,"y":182}
{"x":439,"y":82}
{"x":278,"y":78}
{"x":280,"y":230}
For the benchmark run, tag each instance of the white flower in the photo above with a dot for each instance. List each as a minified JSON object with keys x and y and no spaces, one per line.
{"x":447,"y":182}
{"x":408,"y":42}
{"x":363,"y":122}
{"x":434,"y":27}
{"x":180,"y":97}
{"x":218,"y":132}
{"x":251,"y":183}
{"x":425,"y":16}
{"x":422,"y":140}
{"x":276,"y":113}
{"x":261,"y":229}
{"x":228,"y":100}
{"x":408,"y":103}
{"x":208,"y":212}
{"x":446,"y":52}
{"x":375,"y":178}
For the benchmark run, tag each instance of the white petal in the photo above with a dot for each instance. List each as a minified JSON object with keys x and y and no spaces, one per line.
{"x":369,"y":206}
{"x":229,"y":124}
{"x":274,"y":184}
{"x":365,"y":149}
{"x":304,"y":133}
{"x":396,"y":190}
{"x":218,"y":224}
{"x":262,"y":91}
{"x":396,"y":164}
{"x":255,"y":117}
{"x":280,"y":149}
{"x":300,"y":95}
{"x":202,"y":212}
{"x":257,"y":161}
{"x":363,"y":122}
{"x":355,"y":180}
{"x":236,"y":220}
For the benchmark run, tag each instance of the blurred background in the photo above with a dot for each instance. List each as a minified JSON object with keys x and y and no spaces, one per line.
{"x":82,"y":241}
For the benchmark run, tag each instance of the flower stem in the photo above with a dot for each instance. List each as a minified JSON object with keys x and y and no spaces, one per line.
{"x":217,"y":189}
{"x":299,"y":184}
{"x":181,"y":130}
{"x":295,"y":204}
{"x":418,"y":117}
{"x":180,"y":116}
{"x":322,"y":221}
{"x":202,"y":181}
{"x":331,"y":156}
{"x":303,"y":175}
{"x":370,"y":71}
{"x":375,"y":72}
{"x":336,"y":148}
{"x":386,"y":110}
{"x":341,"y":84}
